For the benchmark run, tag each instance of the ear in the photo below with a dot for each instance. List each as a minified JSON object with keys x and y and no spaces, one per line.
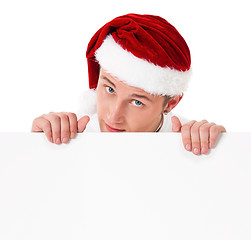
{"x":173,"y":102}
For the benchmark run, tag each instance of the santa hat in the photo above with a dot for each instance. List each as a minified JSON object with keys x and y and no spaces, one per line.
{"x":143,"y":51}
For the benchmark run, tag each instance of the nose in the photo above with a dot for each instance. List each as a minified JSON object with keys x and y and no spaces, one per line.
{"x":116,"y":112}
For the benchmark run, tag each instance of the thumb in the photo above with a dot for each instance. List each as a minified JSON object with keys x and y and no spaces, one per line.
{"x":82,"y":122}
{"x":176,"y":124}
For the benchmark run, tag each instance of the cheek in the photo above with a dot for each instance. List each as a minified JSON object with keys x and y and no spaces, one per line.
{"x":142,"y":121}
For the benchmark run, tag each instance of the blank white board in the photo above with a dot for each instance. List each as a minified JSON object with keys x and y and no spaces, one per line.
{"x":124,"y":186}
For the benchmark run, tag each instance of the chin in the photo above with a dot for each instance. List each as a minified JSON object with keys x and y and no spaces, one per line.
{"x":108,"y":127}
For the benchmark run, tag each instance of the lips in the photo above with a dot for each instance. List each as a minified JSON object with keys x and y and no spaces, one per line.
{"x":111,"y":129}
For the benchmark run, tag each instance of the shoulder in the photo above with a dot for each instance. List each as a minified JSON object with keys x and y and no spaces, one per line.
{"x":93,"y":124}
{"x":167,"y":124}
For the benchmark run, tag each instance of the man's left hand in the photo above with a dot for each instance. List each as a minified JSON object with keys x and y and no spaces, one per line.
{"x":197,"y":137}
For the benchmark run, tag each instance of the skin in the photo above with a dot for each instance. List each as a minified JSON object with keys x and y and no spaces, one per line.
{"x":123,"y":108}
{"x":126,"y":108}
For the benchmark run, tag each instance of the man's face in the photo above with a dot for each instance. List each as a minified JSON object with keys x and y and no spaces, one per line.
{"x":123,"y":108}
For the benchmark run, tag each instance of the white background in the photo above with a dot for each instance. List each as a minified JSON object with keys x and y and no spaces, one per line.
{"x":43,"y":66}
{"x":151,"y":189}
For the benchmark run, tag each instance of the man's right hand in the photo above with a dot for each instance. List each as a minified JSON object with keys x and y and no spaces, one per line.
{"x":59,"y":127}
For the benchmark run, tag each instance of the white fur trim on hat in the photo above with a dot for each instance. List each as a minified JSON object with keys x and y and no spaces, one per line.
{"x":140,"y":73}
{"x":87,"y":103}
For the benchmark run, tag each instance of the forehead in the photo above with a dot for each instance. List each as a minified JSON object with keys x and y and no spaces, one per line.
{"x":123,"y":85}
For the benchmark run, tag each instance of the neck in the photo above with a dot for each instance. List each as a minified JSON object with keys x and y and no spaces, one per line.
{"x":160,"y":124}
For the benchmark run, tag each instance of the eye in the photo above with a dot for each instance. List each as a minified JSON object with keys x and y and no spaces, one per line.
{"x":109,"y":89}
{"x":137,"y":103}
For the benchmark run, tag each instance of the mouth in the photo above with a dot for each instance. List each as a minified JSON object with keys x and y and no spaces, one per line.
{"x":111,"y":129}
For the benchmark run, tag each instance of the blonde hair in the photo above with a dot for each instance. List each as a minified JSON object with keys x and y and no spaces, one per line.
{"x":166,"y":100}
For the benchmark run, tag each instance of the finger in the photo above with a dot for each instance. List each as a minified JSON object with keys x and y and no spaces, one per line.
{"x":82,"y":122}
{"x":73,"y":124}
{"x":65,"y":128}
{"x":195,"y":137}
{"x":186,"y":135}
{"x":176,"y":124}
{"x":204,"y":137}
{"x":42,"y":125}
{"x":37,"y":125}
{"x":55,"y":121}
{"x":214,"y":132}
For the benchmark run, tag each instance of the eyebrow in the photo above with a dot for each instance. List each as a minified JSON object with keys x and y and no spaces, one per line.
{"x":133,"y":95}
{"x":105,"y":78}
{"x":141,"y":96}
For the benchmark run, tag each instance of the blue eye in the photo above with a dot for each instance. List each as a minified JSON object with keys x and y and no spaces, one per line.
{"x":109,"y":90}
{"x":137,"y":103}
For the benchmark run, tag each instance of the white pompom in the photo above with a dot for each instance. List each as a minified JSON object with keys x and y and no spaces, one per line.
{"x":87,"y":103}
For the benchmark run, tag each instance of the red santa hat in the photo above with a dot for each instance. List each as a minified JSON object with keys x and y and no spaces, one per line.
{"x":143,"y":51}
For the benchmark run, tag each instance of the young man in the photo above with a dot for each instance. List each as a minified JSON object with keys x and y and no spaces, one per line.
{"x":139,"y":67}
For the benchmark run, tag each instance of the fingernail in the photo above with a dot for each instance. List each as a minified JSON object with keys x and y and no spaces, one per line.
{"x":72,"y":134}
{"x":188,"y":147}
{"x":204,"y":150}
{"x":58,"y":140}
{"x":196,"y":150}
{"x":65,"y":140}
